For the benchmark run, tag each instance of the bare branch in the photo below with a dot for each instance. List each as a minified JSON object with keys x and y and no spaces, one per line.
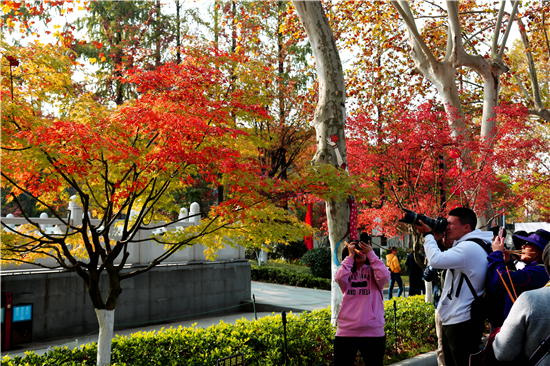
{"x":508,"y":29}
{"x":545,"y":33}
{"x":403,"y":9}
{"x":537,"y":101}
{"x":496,"y":33}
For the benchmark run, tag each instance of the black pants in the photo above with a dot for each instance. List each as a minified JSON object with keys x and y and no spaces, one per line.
{"x":372,"y":350}
{"x":460,"y":341}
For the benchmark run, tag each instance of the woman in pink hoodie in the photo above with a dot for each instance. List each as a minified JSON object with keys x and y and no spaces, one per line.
{"x":361,"y":277}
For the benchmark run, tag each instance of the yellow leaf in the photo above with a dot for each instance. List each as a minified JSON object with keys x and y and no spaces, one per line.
{"x":93,"y":60}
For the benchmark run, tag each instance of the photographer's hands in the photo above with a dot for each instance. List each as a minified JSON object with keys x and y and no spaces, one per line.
{"x":352,"y":250}
{"x":498,"y":245}
{"x":424,"y":229}
{"x":365,"y":248}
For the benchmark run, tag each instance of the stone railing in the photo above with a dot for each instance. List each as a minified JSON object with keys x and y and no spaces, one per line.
{"x":141,"y":252}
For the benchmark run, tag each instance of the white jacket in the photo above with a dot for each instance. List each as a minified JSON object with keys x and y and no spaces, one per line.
{"x":465,"y":257}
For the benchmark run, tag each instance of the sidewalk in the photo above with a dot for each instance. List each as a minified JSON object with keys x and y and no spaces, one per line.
{"x":269,"y":298}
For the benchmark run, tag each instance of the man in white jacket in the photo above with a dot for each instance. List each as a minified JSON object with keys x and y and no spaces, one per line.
{"x":461,"y":333}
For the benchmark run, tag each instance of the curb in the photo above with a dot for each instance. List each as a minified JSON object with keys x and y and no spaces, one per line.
{"x":425,"y":359}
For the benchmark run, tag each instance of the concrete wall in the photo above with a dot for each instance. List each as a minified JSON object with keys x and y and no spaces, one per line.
{"x":62,"y":306}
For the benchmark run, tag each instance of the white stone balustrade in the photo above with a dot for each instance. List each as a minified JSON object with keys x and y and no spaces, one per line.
{"x":141,"y":253}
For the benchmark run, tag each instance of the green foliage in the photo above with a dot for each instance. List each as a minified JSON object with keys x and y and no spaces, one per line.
{"x":415,"y":327}
{"x":310,"y":337}
{"x":276,"y":275}
{"x":309,"y":340}
{"x":318,"y":259}
{"x":295,"y":267}
{"x":292,"y":251}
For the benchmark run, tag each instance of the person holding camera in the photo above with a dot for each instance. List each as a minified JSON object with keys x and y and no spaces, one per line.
{"x":467,"y":258}
{"x":531,"y":276}
{"x":361,"y":277}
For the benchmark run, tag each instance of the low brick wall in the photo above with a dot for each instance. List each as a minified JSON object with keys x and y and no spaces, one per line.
{"x":62,"y":307}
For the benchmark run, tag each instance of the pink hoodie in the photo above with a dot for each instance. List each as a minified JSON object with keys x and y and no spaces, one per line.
{"x":362,"y":311}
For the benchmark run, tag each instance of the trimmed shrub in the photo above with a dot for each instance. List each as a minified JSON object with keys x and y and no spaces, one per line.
{"x":289,"y":252}
{"x":275,"y":275}
{"x":318,"y":260}
{"x":415,"y":327}
{"x":310,"y":337}
{"x":309,"y":340}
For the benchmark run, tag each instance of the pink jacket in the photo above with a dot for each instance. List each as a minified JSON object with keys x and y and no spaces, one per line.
{"x":362,"y":311}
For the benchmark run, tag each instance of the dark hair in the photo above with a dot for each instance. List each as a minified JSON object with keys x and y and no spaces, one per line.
{"x":345,"y":253}
{"x":465,"y":216}
{"x":546,"y":258}
{"x":365,"y":238}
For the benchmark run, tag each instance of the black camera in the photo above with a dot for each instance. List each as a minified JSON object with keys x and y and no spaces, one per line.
{"x":429,"y":274}
{"x":439,"y":225}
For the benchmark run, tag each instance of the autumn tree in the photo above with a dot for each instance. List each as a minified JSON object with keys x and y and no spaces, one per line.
{"x":462,"y":50}
{"x":420,"y":162}
{"x":283,"y":74}
{"x":124,"y":162}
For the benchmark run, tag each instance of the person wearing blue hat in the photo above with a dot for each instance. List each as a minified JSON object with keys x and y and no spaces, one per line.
{"x":530,"y":277}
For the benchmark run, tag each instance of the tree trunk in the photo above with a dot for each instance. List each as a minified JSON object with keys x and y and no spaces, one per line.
{"x":329,"y":122}
{"x":106,"y":320}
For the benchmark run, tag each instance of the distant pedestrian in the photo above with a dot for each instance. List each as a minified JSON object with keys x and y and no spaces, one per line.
{"x":416,"y":284}
{"x":395,"y":269}
{"x":361,"y":318}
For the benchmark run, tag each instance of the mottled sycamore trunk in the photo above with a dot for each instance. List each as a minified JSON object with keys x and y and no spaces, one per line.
{"x":329,"y":119}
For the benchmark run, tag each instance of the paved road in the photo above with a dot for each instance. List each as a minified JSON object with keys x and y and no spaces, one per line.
{"x":290,"y":296}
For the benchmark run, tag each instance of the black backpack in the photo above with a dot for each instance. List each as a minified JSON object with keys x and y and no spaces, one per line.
{"x":483,"y":307}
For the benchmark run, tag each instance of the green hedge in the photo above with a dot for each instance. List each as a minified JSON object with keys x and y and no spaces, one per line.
{"x":309,"y":335}
{"x":275,"y":275}
{"x":319,"y":260}
{"x":415,"y":327}
{"x":309,"y":338}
